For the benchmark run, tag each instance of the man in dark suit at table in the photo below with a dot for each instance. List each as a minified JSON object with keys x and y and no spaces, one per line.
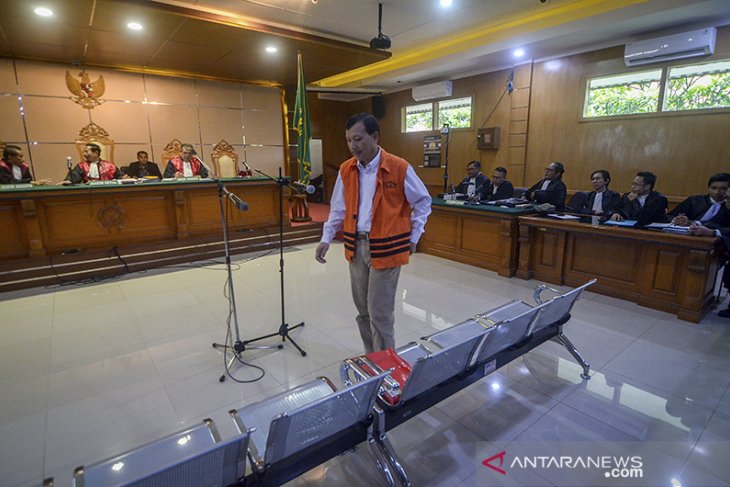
{"x":475,"y":185}
{"x":643,"y":204}
{"x":551,"y":189}
{"x":703,"y":207}
{"x":143,"y":168}
{"x":600,"y":201}
{"x":718,"y":227}
{"x":501,"y":188}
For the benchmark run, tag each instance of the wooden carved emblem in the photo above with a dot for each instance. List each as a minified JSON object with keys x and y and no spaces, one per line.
{"x":110,"y":216}
{"x":224,"y":148}
{"x":94,"y":133}
{"x":172,"y":149}
{"x":86,"y":93}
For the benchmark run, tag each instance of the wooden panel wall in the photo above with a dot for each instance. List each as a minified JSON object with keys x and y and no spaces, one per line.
{"x":490,"y":109}
{"x":328,"y":123}
{"x":683,"y":150}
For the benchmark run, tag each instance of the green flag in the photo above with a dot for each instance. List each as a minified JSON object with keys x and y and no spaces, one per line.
{"x":301,"y":125}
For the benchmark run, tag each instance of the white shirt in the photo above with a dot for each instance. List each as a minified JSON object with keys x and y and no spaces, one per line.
{"x":187,"y":169}
{"x":642,"y":200}
{"x":598,"y":202}
{"x":416,"y":194}
{"x":94,"y":170}
{"x":17,"y":173}
{"x":545,"y":184}
{"x":472,"y":186}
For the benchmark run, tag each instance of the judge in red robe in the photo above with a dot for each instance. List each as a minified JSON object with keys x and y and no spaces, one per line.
{"x":186,"y":164}
{"x":93,"y":168}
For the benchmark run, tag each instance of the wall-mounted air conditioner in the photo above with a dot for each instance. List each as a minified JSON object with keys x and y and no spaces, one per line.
{"x":668,"y":48}
{"x":442,"y":89}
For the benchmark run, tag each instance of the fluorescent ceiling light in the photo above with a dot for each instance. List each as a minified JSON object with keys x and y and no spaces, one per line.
{"x":43,"y":11}
{"x":134,"y":26}
{"x":271,"y":49}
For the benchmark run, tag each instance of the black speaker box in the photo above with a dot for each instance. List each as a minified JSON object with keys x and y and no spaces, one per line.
{"x":378,"y":106}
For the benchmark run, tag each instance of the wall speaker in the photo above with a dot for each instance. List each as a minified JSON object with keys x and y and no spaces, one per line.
{"x":378,"y":106}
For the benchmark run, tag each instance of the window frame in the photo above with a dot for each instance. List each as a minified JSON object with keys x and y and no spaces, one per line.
{"x":660,"y":112}
{"x":435,"y":114}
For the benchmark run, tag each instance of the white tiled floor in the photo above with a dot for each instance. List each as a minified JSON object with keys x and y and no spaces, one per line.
{"x":90,"y":371}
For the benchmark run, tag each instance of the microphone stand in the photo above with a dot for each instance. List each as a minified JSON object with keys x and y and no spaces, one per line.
{"x":446,"y":129}
{"x":284,"y":328}
{"x":239,"y":346}
{"x":69,"y":166}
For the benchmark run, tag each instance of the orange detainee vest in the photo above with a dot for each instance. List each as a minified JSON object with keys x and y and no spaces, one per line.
{"x":390,"y":232}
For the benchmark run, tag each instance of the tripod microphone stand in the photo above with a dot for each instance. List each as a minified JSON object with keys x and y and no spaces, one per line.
{"x":446,"y":130}
{"x":239,"y":346}
{"x":284,"y":328}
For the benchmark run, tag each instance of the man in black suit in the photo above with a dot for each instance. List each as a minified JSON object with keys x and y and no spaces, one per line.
{"x":718,"y":227}
{"x":703,"y":207}
{"x":501,"y":188}
{"x":551,"y":189}
{"x":475,"y":185}
{"x":143,"y":168}
{"x":642,"y":204}
{"x":600,"y":201}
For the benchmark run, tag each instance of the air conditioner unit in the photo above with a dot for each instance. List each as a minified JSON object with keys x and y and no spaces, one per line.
{"x":669,"y":48}
{"x":442,"y":89}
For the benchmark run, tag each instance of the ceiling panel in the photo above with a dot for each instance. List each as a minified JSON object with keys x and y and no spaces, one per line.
{"x":179,"y":41}
{"x":226,"y":38}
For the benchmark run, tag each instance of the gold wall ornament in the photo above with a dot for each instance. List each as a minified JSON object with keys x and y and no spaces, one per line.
{"x":86,"y":93}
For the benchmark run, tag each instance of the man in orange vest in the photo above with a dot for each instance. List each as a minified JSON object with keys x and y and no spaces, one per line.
{"x":382,"y":206}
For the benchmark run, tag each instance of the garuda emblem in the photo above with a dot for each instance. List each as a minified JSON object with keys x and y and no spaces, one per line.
{"x":86,"y":93}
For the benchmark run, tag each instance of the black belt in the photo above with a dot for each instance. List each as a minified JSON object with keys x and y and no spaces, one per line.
{"x":362,"y":236}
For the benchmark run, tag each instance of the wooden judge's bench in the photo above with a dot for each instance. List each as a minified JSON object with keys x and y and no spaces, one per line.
{"x":90,"y":230}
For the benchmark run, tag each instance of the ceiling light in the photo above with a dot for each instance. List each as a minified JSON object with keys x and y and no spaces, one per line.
{"x":446,"y":3}
{"x":518,"y":52}
{"x":134,"y":26}
{"x":43,"y":11}
{"x":271,"y":49}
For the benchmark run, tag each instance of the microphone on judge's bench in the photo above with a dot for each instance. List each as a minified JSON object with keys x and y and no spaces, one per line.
{"x":301,"y":187}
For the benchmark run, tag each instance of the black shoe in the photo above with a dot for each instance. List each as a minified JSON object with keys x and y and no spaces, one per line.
{"x":725,"y":313}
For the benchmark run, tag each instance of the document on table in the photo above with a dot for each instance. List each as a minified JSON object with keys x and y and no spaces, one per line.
{"x":625,"y":223}
{"x":563,"y":217}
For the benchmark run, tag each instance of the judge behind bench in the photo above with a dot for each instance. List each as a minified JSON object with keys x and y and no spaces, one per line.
{"x":475,"y":185}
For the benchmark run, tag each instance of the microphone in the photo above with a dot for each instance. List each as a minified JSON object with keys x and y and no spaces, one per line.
{"x":302,"y":188}
{"x":69,"y":164}
{"x":238,"y":202}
